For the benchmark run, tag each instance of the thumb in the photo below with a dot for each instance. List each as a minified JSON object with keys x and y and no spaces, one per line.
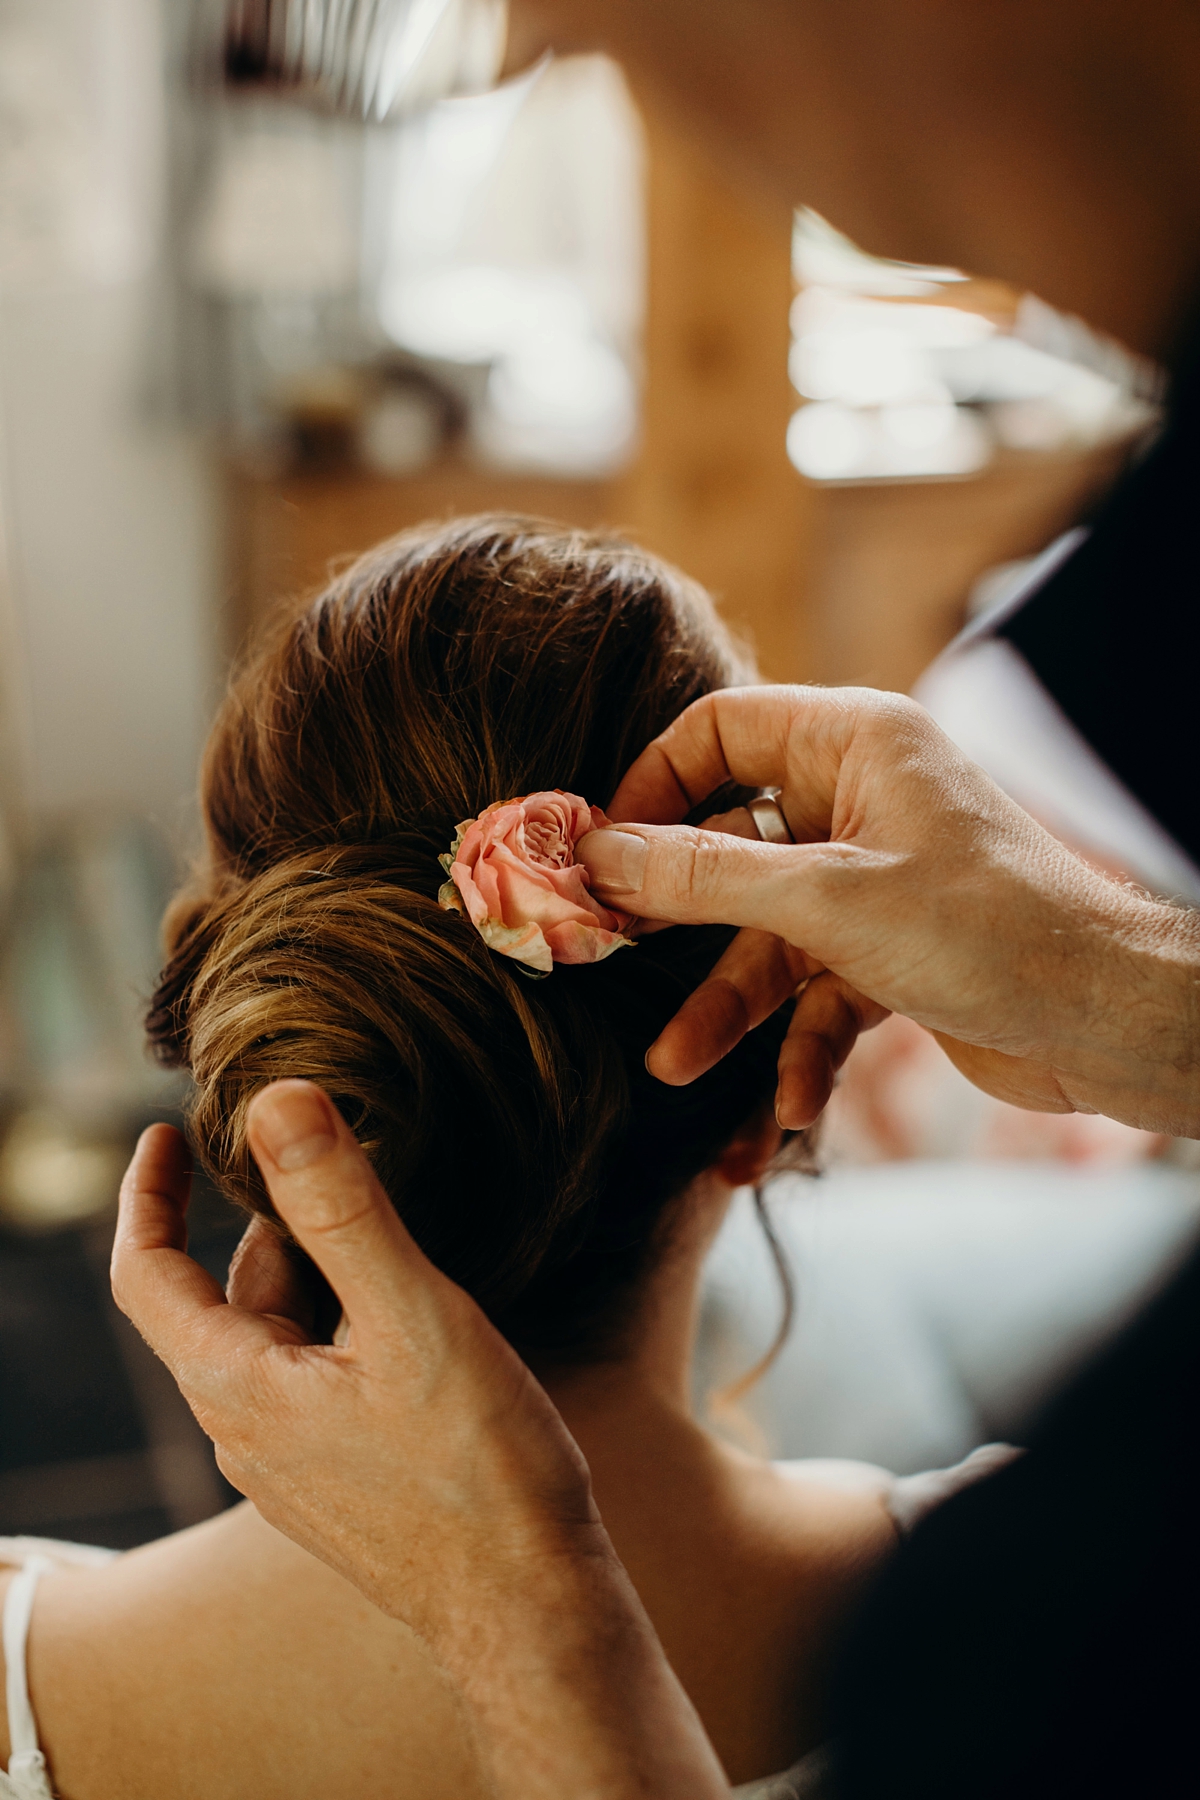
{"x":330,"y":1198}
{"x":686,"y":876}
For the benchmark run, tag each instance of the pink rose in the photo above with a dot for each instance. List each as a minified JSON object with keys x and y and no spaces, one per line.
{"x":513,"y":871}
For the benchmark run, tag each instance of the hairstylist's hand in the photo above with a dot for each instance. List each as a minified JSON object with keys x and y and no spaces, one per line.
{"x":916,"y":886}
{"x":418,"y":1456}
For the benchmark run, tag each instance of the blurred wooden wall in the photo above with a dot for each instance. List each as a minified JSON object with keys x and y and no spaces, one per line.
{"x":711,"y":487}
{"x":852,"y":583}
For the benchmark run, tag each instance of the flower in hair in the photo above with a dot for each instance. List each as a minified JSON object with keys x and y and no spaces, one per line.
{"x":513,"y":872}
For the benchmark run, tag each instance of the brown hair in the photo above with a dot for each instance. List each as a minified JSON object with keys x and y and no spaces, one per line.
{"x":513,"y":1124}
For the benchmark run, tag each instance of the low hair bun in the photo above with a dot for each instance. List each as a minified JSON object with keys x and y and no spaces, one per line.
{"x":191,"y":923}
{"x":512,"y":1123}
{"x":334,"y":968}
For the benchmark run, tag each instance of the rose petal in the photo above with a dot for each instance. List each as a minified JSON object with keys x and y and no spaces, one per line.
{"x":524,"y":944}
{"x":473,"y":900}
{"x":572,"y":942}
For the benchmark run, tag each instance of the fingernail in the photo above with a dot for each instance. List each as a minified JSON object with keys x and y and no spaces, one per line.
{"x":614,"y":859}
{"x":293,"y":1123}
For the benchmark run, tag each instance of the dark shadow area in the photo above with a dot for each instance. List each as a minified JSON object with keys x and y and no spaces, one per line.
{"x":96,"y":1443}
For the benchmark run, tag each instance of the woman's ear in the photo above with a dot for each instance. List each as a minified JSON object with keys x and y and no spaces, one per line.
{"x":744,"y":1160}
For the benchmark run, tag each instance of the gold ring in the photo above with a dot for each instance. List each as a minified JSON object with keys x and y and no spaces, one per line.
{"x":769,"y":821}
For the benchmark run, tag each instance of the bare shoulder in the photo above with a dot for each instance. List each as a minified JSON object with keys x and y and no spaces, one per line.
{"x":819,"y":1504}
{"x":226,"y":1660}
{"x":837,"y":1475}
{"x":753,"y":1593}
{"x":907,"y":1499}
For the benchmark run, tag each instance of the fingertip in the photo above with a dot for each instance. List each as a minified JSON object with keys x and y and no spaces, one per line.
{"x":712,"y":1021}
{"x":664,"y":1063}
{"x":292,"y":1123}
{"x":161,"y":1160}
{"x":286,"y":1084}
{"x":800,"y":1099}
{"x":327,"y":1194}
{"x":153,"y":1199}
{"x":161,"y":1137}
{"x":615,"y":859}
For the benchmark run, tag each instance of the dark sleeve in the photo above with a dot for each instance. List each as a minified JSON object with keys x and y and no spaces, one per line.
{"x":1114,"y":634}
{"x":1039,"y":1634}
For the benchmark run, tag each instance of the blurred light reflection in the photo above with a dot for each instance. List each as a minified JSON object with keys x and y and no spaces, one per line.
{"x":512,"y":226}
{"x":903,"y":383}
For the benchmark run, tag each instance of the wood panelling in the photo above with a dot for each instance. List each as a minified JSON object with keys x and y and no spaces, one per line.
{"x":855,"y":583}
{"x":713,"y":489}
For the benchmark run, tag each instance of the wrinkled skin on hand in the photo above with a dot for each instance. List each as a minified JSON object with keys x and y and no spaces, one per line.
{"x":915,"y":885}
{"x":437,"y":1413}
{"x":417,"y":1455}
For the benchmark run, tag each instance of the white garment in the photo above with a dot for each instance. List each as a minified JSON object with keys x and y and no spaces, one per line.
{"x":27,"y":1778}
{"x":908,"y":1498}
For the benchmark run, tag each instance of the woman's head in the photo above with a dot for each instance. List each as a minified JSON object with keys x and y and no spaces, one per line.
{"x":513,"y":1124}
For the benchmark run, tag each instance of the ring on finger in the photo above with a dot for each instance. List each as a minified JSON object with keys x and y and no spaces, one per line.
{"x":769,"y":821}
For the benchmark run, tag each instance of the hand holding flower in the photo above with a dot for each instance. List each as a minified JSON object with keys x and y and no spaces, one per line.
{"x":513,"y":872}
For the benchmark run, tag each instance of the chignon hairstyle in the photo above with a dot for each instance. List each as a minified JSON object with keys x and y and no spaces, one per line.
{"x":512,"y":1123}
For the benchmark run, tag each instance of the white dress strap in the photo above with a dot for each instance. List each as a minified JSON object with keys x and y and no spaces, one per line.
{"x":26,"y":1778}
